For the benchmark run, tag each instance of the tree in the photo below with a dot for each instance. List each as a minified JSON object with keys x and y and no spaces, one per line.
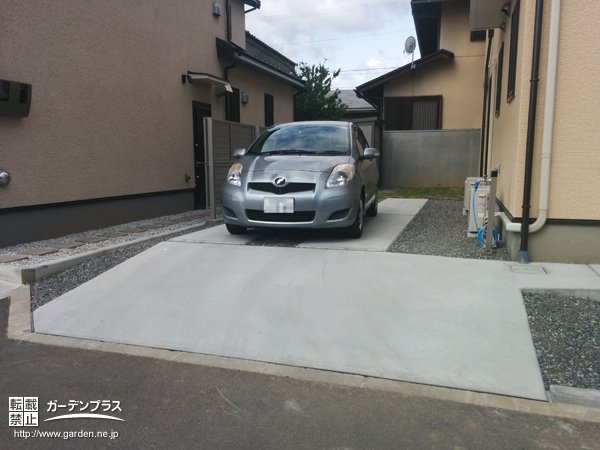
{"x":318,"y":101}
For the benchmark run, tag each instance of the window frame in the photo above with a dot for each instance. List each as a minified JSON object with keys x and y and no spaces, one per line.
{"x":269,"y":110}
{"x":499,"y":80}
{"x":232,"y":106}
{"x":405,"y":105}
{"x":512,"y":59}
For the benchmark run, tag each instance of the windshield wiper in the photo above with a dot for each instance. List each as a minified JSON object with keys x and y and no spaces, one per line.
{"x":331,"y":152}
{"x":287,"y":152}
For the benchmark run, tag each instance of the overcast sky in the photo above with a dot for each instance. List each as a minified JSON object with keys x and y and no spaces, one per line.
{"x":356,"y":36}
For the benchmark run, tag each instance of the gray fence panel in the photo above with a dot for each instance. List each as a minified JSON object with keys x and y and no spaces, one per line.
{"x":226,"y":137}
{"x":429,"y":158}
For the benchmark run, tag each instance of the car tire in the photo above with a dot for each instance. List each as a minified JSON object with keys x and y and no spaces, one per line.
{"x":235,"y":229}
{"x":355,"y":230}
{"x":372,"y":210}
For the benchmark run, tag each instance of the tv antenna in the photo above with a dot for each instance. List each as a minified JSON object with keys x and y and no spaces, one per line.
{"x":409,"y":47}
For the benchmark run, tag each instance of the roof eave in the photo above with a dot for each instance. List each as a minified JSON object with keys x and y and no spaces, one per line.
{"x":381,"y":80}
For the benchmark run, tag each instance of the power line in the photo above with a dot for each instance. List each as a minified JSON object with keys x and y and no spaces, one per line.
{"x":327,"y":11}
{"x":369,"y":68}
{"x":359,"y":36}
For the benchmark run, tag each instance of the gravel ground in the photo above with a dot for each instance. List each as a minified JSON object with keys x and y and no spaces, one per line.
{"x":440,"y":229}
{"x":159,"y":225}
{"x":566,"y":334}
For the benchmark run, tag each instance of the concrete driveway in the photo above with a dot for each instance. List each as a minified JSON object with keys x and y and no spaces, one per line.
{"x":441,"y":321}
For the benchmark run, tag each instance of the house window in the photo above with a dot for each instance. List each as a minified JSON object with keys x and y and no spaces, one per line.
{"x":499,"y":79}
{"x":413,"y":113}
{"x":478,"y":36}
{"x":512,"y":60}
{"x":269,"y":110}
{"x":232,"y":109}
{"x":23,"y":94}
{"x":4,"y":91}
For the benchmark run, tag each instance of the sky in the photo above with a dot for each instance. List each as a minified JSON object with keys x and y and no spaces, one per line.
{"x":363,"y":38}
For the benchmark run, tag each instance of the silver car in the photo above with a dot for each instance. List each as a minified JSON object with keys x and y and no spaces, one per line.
{"x":303,"y":175}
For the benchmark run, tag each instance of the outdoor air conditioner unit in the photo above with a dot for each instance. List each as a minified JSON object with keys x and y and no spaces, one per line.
{"x":479,"y":199}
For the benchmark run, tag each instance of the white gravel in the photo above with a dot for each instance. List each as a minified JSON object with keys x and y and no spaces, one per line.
{"x":160,"y":225}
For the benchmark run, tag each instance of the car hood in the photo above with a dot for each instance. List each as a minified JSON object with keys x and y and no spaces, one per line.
{"x":305,"y":163}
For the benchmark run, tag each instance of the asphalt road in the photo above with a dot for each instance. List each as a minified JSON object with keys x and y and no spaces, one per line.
{"x":175,"y":405}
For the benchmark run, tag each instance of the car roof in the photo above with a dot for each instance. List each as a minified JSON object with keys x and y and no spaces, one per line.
{"x":313,"y":122}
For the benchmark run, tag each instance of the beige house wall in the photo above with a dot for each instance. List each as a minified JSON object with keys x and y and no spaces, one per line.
{"x":453,"y":79}
{"x":110,"y":115}
{"x":575,"y":159}
{"x":455,"y":31}
{"x":256,"y":85}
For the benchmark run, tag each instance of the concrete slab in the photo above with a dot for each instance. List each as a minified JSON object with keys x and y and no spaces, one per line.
{"x":6,"y":288}
{"x":433,"y":320}
{"x":378,"y":235}
{"x":379,"y":232}
{"x":401,"y":206}
{"x":216,"y":235}
{"x":39,"y":251}
{"x":12,"y":258}
{"x":91,"y":239}
{"x":66,"y":245}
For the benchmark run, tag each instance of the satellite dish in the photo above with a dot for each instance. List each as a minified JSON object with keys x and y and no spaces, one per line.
{"x":410,"y":45}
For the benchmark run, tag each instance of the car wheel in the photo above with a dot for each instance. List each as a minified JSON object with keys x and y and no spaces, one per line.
{"x":372,"y":210}
{"x":235,"y":229}
{"x":355,"y":230}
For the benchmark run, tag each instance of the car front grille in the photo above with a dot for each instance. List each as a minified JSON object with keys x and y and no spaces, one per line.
{"x":298,"y":216}
{"x":287,"y":189}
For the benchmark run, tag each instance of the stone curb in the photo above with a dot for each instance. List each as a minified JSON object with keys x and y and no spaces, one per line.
{"x":31,"y":274}
{"x":575,"y":396}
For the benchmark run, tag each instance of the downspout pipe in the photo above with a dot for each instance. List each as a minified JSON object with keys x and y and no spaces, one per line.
{"x":482,"y":156}
{"x":529,"y":146}
{"x":548,"y":127}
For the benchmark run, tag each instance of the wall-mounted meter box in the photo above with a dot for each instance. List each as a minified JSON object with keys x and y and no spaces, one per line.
{"x":15,"y":98}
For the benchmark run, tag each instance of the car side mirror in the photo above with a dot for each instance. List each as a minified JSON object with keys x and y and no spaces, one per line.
{"x":370,"y":153}
{"x":239,"y":152}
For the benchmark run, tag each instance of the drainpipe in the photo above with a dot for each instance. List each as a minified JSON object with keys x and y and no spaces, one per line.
{"x":482,"y":157}
{"x":548,"y":127}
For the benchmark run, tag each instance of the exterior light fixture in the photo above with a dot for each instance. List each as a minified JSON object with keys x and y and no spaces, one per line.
{"x":4,"y":178}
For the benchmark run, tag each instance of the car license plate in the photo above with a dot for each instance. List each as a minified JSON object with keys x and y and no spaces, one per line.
{"x":279,"y":205}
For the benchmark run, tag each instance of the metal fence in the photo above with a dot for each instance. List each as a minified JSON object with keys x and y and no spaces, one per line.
{"x":221,"y":138}
{"x":429,"y":158}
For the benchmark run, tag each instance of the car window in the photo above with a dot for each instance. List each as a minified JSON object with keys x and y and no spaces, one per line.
{"x":362,"y":138}
{"x":309,"y":138}
{"x":358,"y":142}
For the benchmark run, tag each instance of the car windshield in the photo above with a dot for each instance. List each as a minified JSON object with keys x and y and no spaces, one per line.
{"x":309,"y":139}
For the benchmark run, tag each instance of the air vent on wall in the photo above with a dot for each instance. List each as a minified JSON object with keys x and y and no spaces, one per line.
{"x":15,"y":98}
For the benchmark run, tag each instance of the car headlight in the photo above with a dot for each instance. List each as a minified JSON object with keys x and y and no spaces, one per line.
{"x":234,"y":176}
{"x":341,"y":175}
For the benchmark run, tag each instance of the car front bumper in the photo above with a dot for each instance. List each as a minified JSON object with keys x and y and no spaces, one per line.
{"x":333,"y":208}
